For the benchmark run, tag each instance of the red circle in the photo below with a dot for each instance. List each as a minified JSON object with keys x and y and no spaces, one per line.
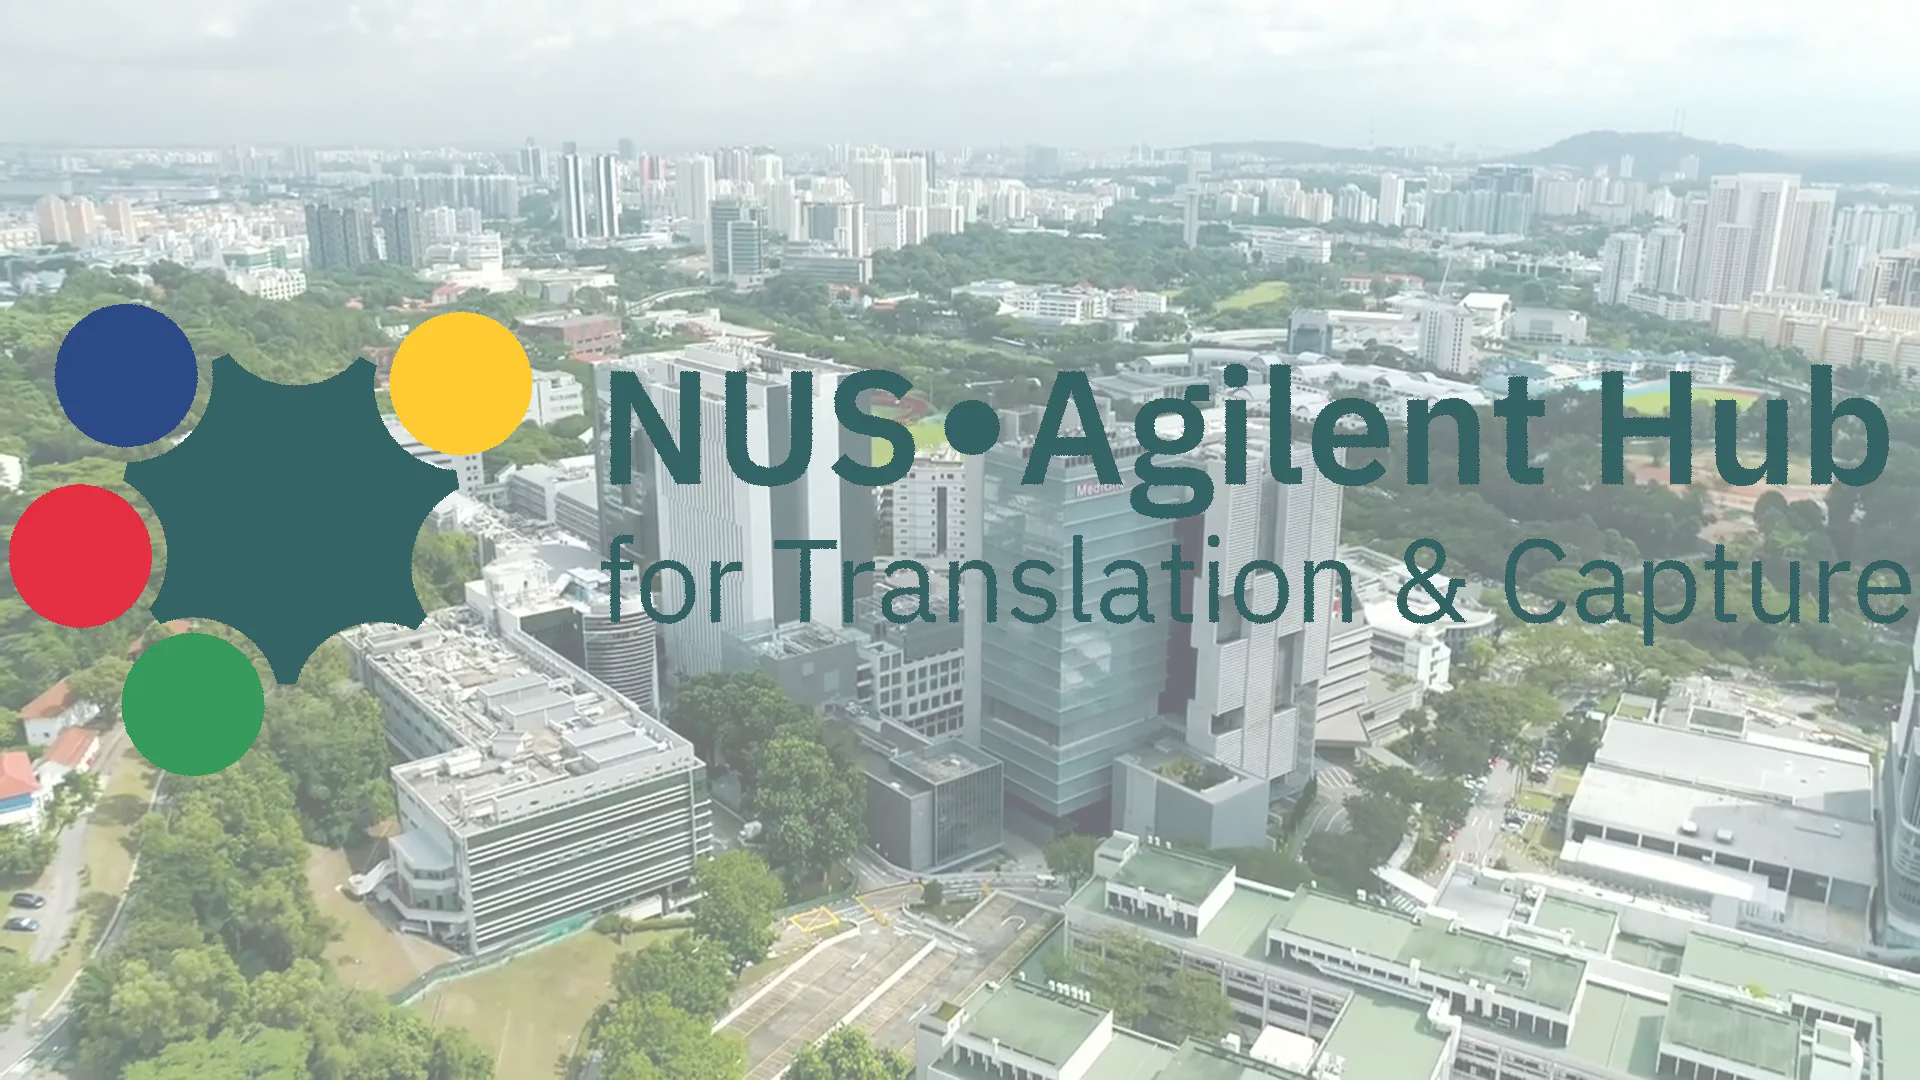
{"x":80,"y":556}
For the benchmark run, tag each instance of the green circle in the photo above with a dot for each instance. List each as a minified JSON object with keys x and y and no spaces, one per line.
{"x":193,"y":704}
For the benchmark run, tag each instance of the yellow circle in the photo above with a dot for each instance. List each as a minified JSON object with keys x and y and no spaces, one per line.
{"x":461,"y":383}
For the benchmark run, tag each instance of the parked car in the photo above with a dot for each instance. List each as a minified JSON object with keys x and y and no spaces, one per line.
{"x":30,"y":901}
{"x":23,"y":924}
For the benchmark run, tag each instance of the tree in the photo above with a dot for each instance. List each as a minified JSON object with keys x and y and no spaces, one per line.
{"x":1269,"y":867}
{"x":24,"y":854}
{"x":932,"y":893}
{"x":647,"y":1037}
{"x":847,"y":1054}
{"x":333,"y":744}
{"x":695,"y":974}
{"x":267,"y":1054}
{"x":738,"y":896}
{"x":730,"y":719}
{"x":812,"y":802}
{"x":100,"y":683}
{"x":1196,"y":1005}
{"x":1121,"y":974}
{"x":1070,"y":855}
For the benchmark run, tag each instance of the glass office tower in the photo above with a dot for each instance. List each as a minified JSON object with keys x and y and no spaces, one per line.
{"x":1061,"y":699}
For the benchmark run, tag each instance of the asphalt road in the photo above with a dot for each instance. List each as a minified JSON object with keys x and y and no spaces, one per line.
{"x":1479,"y":839}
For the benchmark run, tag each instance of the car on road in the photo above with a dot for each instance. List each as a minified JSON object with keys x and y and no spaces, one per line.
{"x":30,"y":901}
{"x":1513,"y":827}
{"x":23,"y":924}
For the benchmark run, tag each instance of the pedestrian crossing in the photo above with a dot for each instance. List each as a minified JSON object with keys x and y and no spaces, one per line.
{"x":1333,"y":777}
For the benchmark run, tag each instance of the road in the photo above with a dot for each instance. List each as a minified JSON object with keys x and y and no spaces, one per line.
{"x":63,"y":891}
{"x":1479,"y":839}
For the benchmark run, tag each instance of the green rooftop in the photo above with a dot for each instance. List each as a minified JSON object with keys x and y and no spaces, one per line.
{"x":1618,"y":1030}
{"x":1551,"y":981}
{"x":1205,"y":1061}
{"x":1384,"y":1038}
{"x":1186,"y":878}
{"x":1742,"y":1031}
{"x":1043,"y":1026}
{"x":1239,"y":928}
{"x":1890,"y":996}
{"x":1592,"y":926}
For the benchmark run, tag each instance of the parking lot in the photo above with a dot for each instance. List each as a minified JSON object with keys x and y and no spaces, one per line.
{"x":1000,"y":934}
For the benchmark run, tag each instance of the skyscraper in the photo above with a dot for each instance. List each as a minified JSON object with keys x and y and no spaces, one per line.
{"x":1745,"y":231}
{"x":1803,"y":254}
{"x":406,"y":236}
{"x":606,"y":196}
{"x":1861,"y":232}
{"x":1661,"y":259}
{"x":724,"y":518}
{"x":1894,"y":278}
{"x":573,"y":198}
{"x":693,"y":191}
{"x":1446,"y":339}
{"x":1190,"y":216}
{"x":734,"y":243}
{"x":1900,"y":838}
{"x":533,"y":160}
{"x":1393,"y":199}
{"x":627,"y":149}
{"x":339,"y":236}
{"x":1620,"y":268}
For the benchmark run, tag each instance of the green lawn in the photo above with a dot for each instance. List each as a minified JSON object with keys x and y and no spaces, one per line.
{"x":928,"y":434}
{"x":367,"y":953}
{"x":1265,"y":292}
{"x":531,"y":1010}
{"x":1657,"y":401}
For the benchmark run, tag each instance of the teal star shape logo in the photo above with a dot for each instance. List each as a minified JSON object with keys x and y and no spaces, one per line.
{"x":290,"y":513}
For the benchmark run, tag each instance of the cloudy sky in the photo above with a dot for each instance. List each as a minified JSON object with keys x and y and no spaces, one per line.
{"x":1789,"y":74}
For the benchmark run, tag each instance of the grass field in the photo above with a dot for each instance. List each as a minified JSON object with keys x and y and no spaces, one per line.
{"x":1265,"y":292}
{"x":125,"y":796}
{"x":367,"y":954}
{"x":530,"y":1011}
{"x":928,"y":434}
{"x":1655,"y":400}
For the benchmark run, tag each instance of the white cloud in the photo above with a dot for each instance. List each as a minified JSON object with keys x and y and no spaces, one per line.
{"x":1790,"y":73}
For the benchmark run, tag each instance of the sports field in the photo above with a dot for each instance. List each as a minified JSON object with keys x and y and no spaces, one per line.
{"x":928,"y":434}
{"x":1265,"y":292}
{"x":1653,"y":399}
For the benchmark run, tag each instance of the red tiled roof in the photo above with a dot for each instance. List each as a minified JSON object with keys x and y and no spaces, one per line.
{"x":72,"y":747}
{"x":16,"y":775}
{"x":49,"y":704}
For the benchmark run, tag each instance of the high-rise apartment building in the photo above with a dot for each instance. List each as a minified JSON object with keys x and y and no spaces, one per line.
{"x":726,"y":519}
{"x":930,"y":511}
{"x":1804,"y":247}
{"x":533,"y":161}
{"x":468,"y":467}
{"x":1894,"y":278}
{"x":1620,"y":268}
{"x":1190,"y":216}
{"x":1742,"y":237}
{"x":910,"y":184}
{"x":339,"y":236}
{"x":1661,"y":258}
{"x":693,"y":192}
{"x":606,"y":196}
{"x":735,"y":243}
{"x":573,"y":198}
{"x":1861,"y":232}
{"x":1446,"y":339}
{"x":51,"y":215}
{"x":1393,"y":200}
{"x":406,"y":236}
{"x":871,"y":179}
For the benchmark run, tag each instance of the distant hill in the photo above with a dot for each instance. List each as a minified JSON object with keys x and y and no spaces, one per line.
{"x":1654,"y":152}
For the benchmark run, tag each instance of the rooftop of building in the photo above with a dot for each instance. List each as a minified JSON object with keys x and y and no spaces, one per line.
{"x":51,"y":702}
{"x":944,"y":761}
{"x":1743,"y":1031}
{"x":527,"y":717}
{"x":17,"y":777}
{"x":1549,"y":979}
{"x":1743,"y":825}
{"x":1166,"y":872}
{"x":1826,"y":779}
{"x":1708,"y":988}
{"x":71,"y":747}
{"x":1376,"y":1037}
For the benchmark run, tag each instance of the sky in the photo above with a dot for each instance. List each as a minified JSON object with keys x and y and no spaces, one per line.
{"x":1507,"y":74}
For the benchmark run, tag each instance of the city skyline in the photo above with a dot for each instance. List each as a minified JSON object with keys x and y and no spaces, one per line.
{"x":1041,"y":72}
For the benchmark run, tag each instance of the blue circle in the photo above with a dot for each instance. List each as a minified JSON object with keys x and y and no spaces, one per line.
{"x":126,"y":375}
{"x":972,"y":427}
